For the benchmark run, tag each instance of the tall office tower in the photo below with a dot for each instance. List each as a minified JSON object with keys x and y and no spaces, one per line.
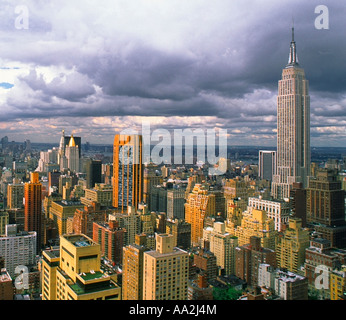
{"x":61,"y":146}
{"x":298,"y":202}
{"x":266,"y":164}
{"x":199,"y":205}
{"x":15,"y":196}
{"x":277,"y":210}
{"x":132,"y":277}
{"x":166,"y":271}
{"x":72,"y":155}
{"x":111,"y":239}
{"x":158,"y":198}
{"x":18,"y":248}
{"x":77,"y":141}
{"x":65,"y":142}
{"x":93,"y":172}
{"x":223,"y":245}
{"x":248,"y":259}
{"x":74,"y":272}
{"x":33,"y":206}
{"x":325,"y":207}
{"x":175,"y":203}
{"x":53,"y":181}
{"x":290,"y":250}
{"x":150,"y":178}
{"x":293,"y":128}
{"x":127,"y":171}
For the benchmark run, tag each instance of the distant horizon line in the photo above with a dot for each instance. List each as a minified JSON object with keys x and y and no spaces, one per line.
{"x":110,"y":144}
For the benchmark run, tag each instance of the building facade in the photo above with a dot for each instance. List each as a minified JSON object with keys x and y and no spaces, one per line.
{"x":133,"y":264}
{"x":277,"y":210}
{"x":266,"y":164}
{"x":75,"y":272}
{"x":166,"y":271}
{"x":223,"y":245}
{"x":127,"y":171}
{"x":111,"y":239}
{"x":33,"y":206}
{"x":293,"y":128}
{"x":290,"y":250}
{"x":18,"y":248}
{"x":200,"y":204}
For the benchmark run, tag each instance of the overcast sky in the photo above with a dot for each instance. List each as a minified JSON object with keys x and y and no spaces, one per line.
{"x":96,"y":67}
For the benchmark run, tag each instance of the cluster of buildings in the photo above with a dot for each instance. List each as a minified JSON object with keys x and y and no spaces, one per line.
{"x":79,"y":228}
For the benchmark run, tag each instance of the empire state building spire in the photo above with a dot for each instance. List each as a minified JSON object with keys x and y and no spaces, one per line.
{"x":293,"y":128}
{"x":293,"y":58}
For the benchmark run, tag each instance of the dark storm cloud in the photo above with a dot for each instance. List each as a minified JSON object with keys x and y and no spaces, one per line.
{"x":194,"y":59}
{"x":70,"y":87}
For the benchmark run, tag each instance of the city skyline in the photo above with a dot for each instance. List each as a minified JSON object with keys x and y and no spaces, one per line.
{"x":97,"y":70}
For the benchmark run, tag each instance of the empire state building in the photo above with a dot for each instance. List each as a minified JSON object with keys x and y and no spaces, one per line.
{"x":293,"y":128}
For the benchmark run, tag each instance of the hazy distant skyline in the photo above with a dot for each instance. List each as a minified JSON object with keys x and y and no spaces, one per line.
{"x":96,"y":67}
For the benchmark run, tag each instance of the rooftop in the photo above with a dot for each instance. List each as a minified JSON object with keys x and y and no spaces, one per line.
{"x":52,"y":253}
{"x":288,"y":276}
{"x":69,"y":203}
{"x":79,"y":240}
{"x":92,"y":275}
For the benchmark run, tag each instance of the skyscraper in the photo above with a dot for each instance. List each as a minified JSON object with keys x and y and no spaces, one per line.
{"x":293,"y":127}
{"x":199,"y":205}
{"x":33,"y":206}
{"x":165,"y":272}
{"x":93,"y":172}
{"x":266,"y":164}
{"x":72,"y":155}
{"x":223,"y":245}
{"x":15,"y":195}
{"x":132,"y":278}
{"x":290,"y":249}
{"x":127,"y":171}
{"x":175,"y":203}
{"x":111,"y":239}
{"x":64,"y":154}
{"x":325,"y":207}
